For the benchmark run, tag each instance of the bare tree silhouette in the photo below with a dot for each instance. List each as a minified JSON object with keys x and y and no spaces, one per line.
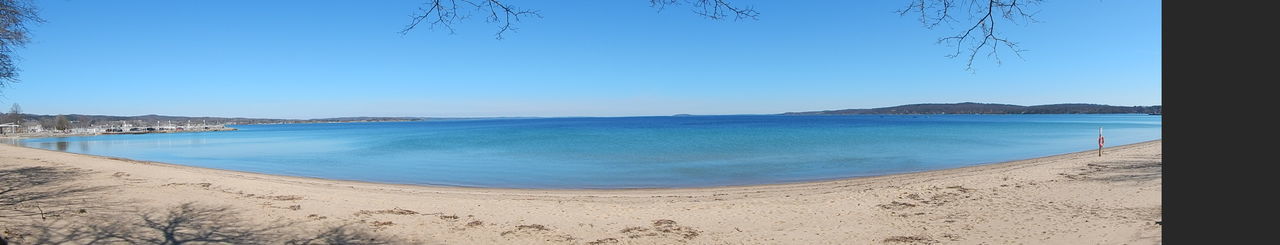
{"x":194,"y":223}
{"x":713,"y":9}
{"x":46,"y":205}
{"x":14,"y":17}
{"x":44,"y":194}
{"x":980,"y":36}
{"x":446,"y":13}
{"x":84,"y":230}
{"x":191,"y":223}
{"x":41,"y":192}
{"x":187,"y":223}
{"x":345,"y":234}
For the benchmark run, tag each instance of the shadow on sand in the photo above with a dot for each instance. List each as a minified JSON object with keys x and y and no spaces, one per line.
{"x":191,"y":223}
{"x":44,"y":205}
{"x":46,"y":192}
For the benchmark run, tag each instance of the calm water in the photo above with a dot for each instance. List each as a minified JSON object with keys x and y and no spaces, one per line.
{"x":623,"y":152}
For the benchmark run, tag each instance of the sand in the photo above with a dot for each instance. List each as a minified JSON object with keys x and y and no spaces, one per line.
{"x":1077,"y":198}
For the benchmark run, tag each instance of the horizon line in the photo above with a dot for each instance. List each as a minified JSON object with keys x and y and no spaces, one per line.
{"x":572,"y":116}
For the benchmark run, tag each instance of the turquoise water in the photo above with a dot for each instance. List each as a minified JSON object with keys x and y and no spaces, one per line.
{"x":623,"y":152}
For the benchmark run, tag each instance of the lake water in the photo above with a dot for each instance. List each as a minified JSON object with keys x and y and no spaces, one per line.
{"x":623,"y":152}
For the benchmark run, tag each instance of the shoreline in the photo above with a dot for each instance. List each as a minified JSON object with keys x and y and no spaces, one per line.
{"x":301,"y":179}
{"x":1069,"y":198}
{"x":23,"y":136}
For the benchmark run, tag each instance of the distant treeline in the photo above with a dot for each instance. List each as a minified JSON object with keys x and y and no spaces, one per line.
{"x":981,"y":108}
{"x":78,"y":120}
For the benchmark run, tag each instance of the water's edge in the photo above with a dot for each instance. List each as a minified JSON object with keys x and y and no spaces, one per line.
{"x":975,"y":167}
{"x":618,"y":153}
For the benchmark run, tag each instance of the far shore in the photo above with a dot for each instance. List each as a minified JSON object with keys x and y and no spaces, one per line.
{"x":54,"y":134}
{"x":1064,"y":199}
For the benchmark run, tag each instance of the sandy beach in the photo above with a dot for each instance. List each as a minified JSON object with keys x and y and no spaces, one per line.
{"x":1078,"y":198}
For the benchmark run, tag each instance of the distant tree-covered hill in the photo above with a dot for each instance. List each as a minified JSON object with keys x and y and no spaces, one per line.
{"x":983,"y":108}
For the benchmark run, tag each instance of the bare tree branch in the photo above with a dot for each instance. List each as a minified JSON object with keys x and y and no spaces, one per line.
{"x":983,"y":34}
{"x":446,"y":13}
{"x":712,"y":9}
{"x":14,"y":17}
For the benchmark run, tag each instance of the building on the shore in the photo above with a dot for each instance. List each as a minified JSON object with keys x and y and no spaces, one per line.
{"x":32,"y":127}
{"x":39,"y":129}
{"x":9,"y":128}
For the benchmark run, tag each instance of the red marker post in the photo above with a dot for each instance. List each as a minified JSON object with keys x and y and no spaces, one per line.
{"x":1100,"y":141}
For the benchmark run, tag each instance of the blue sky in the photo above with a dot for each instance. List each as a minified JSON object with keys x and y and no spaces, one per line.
{"x":314,"y":59}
